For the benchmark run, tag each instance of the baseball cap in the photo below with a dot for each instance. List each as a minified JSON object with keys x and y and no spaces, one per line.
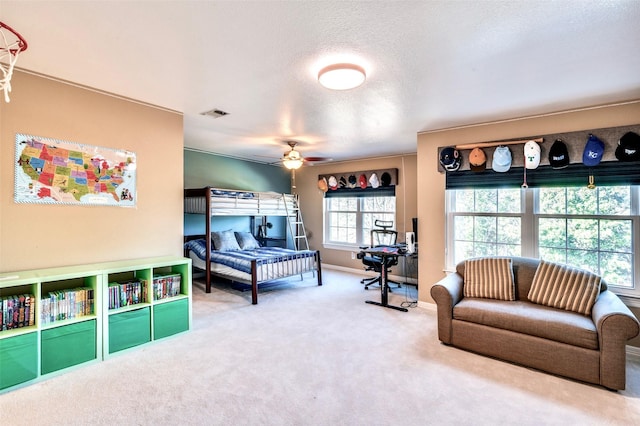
{"x":373,"y":180}
{"x":362,"y":180}
{"x":333,"y":182}
{"x":450,"y":159}
{"x":352,"y":181}
{"x":559,"y":155}
{"x":628,"y":147}
{"x":343,"y":182}
{"x":531,"y":155}
{"x":501,"y":159}
{"x":322,"y":184}
{"x":593,"y":150}
{"x":385,"y":179}
{"x":477,"y":160}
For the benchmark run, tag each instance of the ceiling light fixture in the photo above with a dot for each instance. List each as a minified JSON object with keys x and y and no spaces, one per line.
{"x":341,"y":76}
{"x":292,"y":160}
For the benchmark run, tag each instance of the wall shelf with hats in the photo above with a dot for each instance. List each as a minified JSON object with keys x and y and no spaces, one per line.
{"x":588,"y":157}
{"x":358,"y":182}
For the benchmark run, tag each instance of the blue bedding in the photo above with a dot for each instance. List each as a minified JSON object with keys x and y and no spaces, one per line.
{"x":241,"y":259}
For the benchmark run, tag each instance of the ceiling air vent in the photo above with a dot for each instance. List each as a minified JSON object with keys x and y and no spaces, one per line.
{"x":215,"y":113}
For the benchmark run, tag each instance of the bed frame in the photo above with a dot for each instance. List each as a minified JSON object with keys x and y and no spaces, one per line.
{"x":209,"y":201}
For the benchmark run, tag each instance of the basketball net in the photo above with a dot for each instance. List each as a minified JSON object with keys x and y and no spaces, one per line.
{"x":11,"y":44}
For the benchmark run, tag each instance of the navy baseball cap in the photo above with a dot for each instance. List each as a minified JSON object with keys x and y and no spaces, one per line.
{"x":450,"y":159}
{"x":593,"y":151}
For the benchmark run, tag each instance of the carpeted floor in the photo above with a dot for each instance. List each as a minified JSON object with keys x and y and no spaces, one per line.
{"x":309,"y":355}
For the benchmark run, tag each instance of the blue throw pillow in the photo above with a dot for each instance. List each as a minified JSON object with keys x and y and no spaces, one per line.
{"x":225,"y":241}
{"x":246,"y":241}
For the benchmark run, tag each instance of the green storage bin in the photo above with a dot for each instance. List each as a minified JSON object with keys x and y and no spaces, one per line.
{"x":170,"y":318}
{"x":129,"y":329}
{"x":18,"y":359}
{"x":68,"y":345}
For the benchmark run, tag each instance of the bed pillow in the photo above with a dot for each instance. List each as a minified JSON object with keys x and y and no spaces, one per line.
{"x":246,"y":241}
{"x":489,"y":278}
{"x":565,"y":287}
{"x":224,"y":241}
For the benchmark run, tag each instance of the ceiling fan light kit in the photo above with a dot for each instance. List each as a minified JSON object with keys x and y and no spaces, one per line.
{"x":341,"y":76}
{"x":292,"y":160}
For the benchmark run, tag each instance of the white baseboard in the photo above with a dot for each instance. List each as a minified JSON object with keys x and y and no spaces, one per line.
{"x":427,"y":305}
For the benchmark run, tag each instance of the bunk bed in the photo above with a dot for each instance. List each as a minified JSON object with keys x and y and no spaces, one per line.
{"x":256,"y":265}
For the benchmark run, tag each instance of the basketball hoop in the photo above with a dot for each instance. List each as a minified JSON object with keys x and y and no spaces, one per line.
{"x":11,"y":44}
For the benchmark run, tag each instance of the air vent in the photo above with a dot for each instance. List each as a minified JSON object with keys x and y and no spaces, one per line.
{"x":215,"y":113}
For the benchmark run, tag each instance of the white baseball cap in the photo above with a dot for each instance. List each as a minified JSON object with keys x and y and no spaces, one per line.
{"x":501,"y":159}
{"x":373,"y":180}
{"x":333,"y":182}
{"x":531,"y":155}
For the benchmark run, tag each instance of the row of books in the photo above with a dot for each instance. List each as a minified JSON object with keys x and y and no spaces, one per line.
{"x":127,"y":293}
{"x":17,"y":311}
{"x":67,"y":304}
{"x":166,"y":286}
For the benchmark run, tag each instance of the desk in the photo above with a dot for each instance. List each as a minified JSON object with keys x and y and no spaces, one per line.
{"x":386,"y":254}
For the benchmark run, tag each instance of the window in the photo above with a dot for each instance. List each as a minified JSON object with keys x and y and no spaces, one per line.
{"x":588,"y":228}
{"x":485,"y":222}
{"x":349,"y":220}
{"x":591,"y":229}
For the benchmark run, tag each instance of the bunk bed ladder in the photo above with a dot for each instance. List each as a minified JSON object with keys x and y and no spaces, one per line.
{"x":296,"y":225}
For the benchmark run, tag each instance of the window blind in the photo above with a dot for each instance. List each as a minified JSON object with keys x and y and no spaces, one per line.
{"x":386,"y":191}
{"x":604,"y":174}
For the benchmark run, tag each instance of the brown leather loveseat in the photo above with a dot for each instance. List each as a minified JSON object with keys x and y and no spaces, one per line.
{"x":589,"y":346}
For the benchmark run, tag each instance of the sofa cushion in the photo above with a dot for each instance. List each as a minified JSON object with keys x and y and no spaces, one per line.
{"x":490,"y":277}
{"x":564,"y":287}
{"x":531,"y":319}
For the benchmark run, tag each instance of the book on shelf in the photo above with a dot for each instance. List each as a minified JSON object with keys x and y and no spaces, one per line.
{"x":66,"y":304}
{"x":166,"y":286}
{"x":17,"y":311}
{"x":127,"y":293}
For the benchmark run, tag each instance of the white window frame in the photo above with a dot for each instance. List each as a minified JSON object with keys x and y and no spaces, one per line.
{"x":529,"y":231}
{"x":361,"y":238}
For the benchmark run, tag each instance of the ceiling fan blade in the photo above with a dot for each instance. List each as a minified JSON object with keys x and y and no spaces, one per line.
{"x":317,"y":159}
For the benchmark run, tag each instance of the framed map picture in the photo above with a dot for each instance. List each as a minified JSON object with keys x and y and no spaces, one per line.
{"x":50,"y":171}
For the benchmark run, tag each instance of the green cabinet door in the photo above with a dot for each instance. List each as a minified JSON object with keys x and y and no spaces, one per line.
{"x":18,"y":359}
{"x":129,"y":329}
{"x":68,"y":345}
{"x":170,"y":318}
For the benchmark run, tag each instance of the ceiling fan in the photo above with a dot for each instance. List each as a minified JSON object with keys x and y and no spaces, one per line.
{"x":293,"y":160}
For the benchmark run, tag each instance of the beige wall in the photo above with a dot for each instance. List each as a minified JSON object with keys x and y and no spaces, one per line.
{"x":311,"y":200}
{"x":431,"y":183}
{"x":35,"y":236}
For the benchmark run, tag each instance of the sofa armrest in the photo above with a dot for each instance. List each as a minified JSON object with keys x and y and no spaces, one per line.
{"x":446,"y":293}
{"x":615,"y":324}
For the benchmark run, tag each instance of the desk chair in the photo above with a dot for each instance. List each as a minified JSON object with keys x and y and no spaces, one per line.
{"x":380,"y":236}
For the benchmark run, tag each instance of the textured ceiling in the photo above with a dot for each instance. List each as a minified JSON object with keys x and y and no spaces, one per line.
{"x":430,"y":64}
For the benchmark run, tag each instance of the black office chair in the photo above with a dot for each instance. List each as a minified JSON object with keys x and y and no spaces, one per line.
{"x":380,"y":236}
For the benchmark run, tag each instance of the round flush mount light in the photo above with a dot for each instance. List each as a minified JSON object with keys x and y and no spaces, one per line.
{"x":341,"y":76}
